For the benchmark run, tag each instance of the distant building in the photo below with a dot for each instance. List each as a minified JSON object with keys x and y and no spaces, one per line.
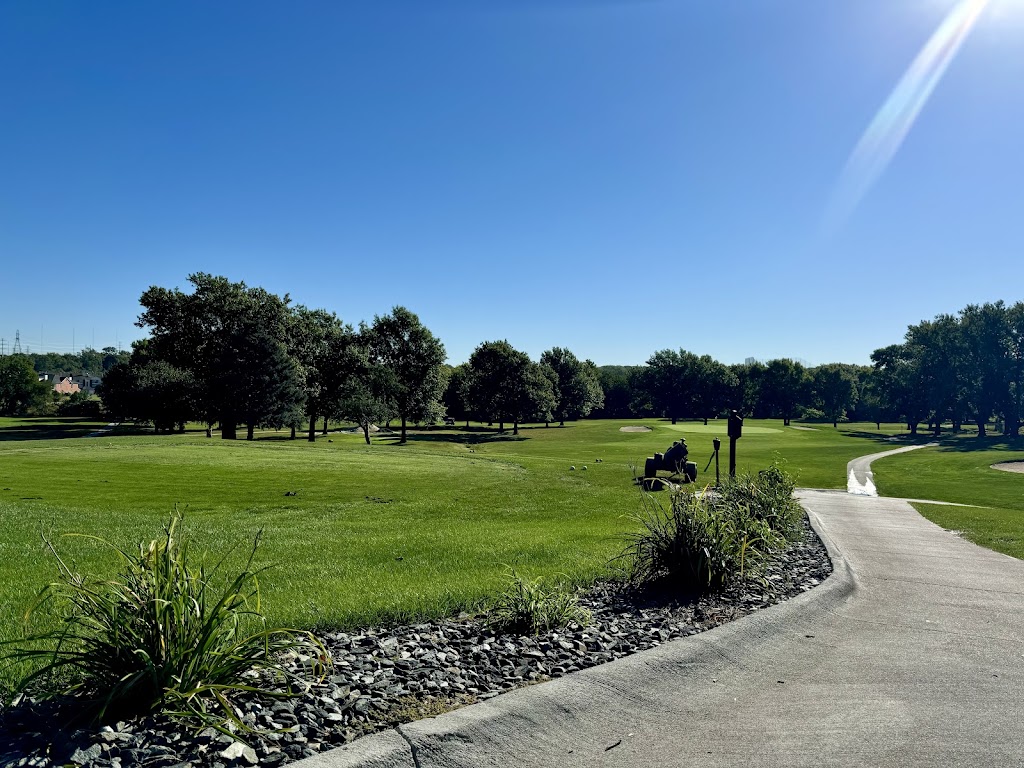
{"x":62,"y":384}
{"x":751,"y":361}
{"x":87,"y":384}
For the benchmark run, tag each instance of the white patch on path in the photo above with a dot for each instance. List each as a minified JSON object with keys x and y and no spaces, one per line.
{"x":860,"y":480}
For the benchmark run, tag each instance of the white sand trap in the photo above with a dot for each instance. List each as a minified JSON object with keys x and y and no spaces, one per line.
{"x":803,"y":429}
{"x":634,"y":429}
{"x":1010,"y":466}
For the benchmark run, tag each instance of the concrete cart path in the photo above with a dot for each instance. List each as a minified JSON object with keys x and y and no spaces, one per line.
{"x":910,"y":654}
{"x":860,"y":480}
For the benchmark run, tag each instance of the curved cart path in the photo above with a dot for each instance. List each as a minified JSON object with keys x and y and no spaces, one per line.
{"x":910,"y":654}
{"x":859,"y":477}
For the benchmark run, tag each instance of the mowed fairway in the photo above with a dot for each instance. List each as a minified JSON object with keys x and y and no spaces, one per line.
{"x":373,"y":534}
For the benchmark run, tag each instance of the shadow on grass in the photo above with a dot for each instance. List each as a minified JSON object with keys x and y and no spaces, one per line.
{"x":973,"y":443}
{"x":473,"y":436}
{"x":53,"y":428}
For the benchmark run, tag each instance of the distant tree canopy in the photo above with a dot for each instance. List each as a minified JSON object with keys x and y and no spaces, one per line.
{"x":20,"y":388}
{"x":237,"y":355}
{"x":967,"y":367}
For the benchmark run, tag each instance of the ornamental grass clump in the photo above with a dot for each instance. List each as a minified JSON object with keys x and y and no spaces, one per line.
{"x":528,"y":607}
{"x":769,"y":497}
{"x":168,"y":635}
{"x":708,"y":539}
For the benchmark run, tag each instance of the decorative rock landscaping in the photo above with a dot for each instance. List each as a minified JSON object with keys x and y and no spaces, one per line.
{"x":382,"y":677}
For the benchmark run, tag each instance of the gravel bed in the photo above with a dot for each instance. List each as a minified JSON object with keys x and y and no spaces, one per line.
{"x":386,"y":676}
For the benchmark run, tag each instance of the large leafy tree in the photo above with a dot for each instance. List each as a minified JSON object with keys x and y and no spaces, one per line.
{"x":665,"y":383}
{"x":363,"y":389}
{"x":713,"y":386}
{"x":1014,"y":403}
{"x":410,"y":359}
{"x":20,"y":388}
{"x":150,"y":390}
{"x":321,"y":344}
{"x":749,"y":378}
{"x":944,"y":367}
{"x":577,"y":386}
{"x":228,"y":336}
{"x":505,"y":385}
{"x":989,"y":369}
{"x":900,"y":383}
{"x":835,"y":390}
{"x":784,"y":387}
{"x":682,"y":384}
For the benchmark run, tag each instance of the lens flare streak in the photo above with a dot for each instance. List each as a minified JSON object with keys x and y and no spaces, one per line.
{"x":887,"y":131}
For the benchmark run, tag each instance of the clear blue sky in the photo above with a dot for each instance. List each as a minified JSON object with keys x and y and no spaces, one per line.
{"x":613,"y":177}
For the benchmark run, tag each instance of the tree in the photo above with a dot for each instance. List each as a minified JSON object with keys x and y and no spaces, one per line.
{"x":20,"y":388}
{"x":617,"y":383}
{"x":784,"y":388}
{"x":456,"y":394}
{"x":899,"y":382}
{"x":712,"y":384}
{"x":1014,"y":406}
{"x":505,"y":385}
{"x":320,"y":343}
{"x":747,"y":393}
{"x":363,"y":389}
{"x":665,"y":383}
{"x":267,"y":381}
{"x":943,"y":355}
{"x":678,"y":384}
{"x":410,"y":358}
{"x":577,"y":388}
{"x":835,"y":389}
{"x":988,"y":368}
{"x":149,"y":390}
{"x":222,"y":333}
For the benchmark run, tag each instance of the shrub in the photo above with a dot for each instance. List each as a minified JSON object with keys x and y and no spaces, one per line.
{"x":162,"y":637}
{"x":80,"y":404}
{"x":528,"y":607}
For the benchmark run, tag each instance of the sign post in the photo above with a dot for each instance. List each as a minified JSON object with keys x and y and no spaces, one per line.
{"x":735,"y":433}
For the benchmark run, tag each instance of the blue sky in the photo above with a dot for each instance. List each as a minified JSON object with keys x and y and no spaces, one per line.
{"x":612,"y":177}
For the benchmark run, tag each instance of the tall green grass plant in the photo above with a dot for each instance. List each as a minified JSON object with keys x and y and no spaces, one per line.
{"x":167,"y":635}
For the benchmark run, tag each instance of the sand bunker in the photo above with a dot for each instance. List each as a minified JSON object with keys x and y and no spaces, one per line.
{"x":634,"y":429}
{"x":1010,"y":466}
{"x":803,"y":429}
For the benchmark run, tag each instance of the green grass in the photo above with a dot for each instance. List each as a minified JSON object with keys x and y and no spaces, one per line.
{"x":959,"y":471}
{"x":375,"y":534}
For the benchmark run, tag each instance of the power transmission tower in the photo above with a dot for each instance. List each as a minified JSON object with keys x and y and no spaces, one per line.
{"x":16,"y":350}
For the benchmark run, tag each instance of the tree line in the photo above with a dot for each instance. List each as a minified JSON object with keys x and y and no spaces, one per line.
{"x":232,"y":355}
{"x":682,"y":385}
{"x":963,"y":368}
{"x":236,"y":356}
